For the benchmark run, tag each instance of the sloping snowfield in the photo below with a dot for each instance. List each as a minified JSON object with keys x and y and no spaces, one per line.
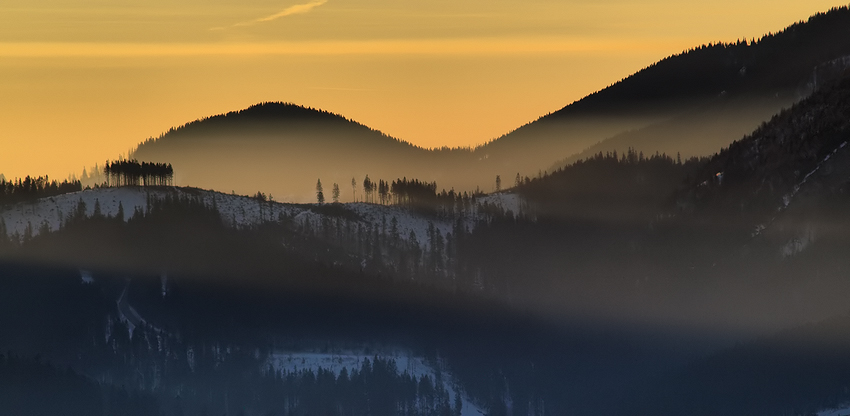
{"x":844,"y":411}
{"x":236,"y":211}
{"x":294,"y":362}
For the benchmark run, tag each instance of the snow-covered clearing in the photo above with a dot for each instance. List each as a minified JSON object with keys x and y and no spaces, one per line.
{"x":294,"y":362}
{"x":505,"y":200}
{"x":407,"y":221}
{"x":235,"y":210}
{"x":843,"y":411}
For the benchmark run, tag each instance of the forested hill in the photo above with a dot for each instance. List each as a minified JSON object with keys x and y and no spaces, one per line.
{"x":282,"y":149}
{"x":273,"y":118}
{"x":801,"y":153}
{"x":694,"y":102}
{"x":780,"y":63}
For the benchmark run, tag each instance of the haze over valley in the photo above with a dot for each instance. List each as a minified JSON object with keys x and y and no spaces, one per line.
{"x":673,"y":244}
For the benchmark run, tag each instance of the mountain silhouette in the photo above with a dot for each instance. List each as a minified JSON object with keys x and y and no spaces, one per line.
{"x":801,"y":154}
{"x":691,"y":103}
{"x":697,"y":101}
{"x":283,"y":149}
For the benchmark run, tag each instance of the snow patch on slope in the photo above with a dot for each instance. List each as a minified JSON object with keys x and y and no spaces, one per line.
{"x":86,"y":277}
{"x":842,"y":411}
{"x":295,"y":362}
{"x":52,"y":211}
{"x":505,"y":200}
{"x":235,"y":210}
{"x":407,"y":220}
{"x":797,"y":244}
{"x":786,"y":200}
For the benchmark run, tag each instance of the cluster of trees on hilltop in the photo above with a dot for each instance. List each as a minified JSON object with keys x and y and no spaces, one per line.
{"x":401,"y":192}
{"x":410,"y":193}
{"x":413,"y":192}
{"x":135,"y":173}
{"x":31,"y":188}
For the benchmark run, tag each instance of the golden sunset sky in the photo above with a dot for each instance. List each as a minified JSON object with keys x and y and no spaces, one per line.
{"x":86,"y":80}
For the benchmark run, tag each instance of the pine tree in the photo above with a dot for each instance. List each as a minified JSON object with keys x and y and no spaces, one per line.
{"x":28,"y":232}
{"x":498,"y":183}
{"x":335,"y":194}
{"x":97,"y":211}
{"x":44,"y":229}
{"x":320,"y":195}
{"x":4,"y":236}
{"x":80,"y":212}
{"x":394,"y":233}
{"x":367,"y":187}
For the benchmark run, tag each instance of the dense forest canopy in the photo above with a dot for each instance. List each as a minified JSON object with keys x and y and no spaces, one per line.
{"x":32,"y":188}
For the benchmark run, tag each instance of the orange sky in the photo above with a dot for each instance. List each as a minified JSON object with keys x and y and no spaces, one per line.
{"x":83,"y":81}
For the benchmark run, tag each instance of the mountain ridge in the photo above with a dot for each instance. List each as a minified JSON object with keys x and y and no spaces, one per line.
{"x":672,"y":106}
{"x":778,"y":67}
{"x":269,"y":112}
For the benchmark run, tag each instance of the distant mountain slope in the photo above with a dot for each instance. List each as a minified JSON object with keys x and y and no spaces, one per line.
{"x":801,"y":151}
{"x":699,"y":131}
{"x":692,"y":103}
{"x":783,"y":189}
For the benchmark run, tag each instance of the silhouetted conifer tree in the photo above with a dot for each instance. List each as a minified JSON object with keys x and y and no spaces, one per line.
{"x":120,"y":215}
{"x":320,"y":195}
{"x":367,"y":188}
{"x":133,"y":173}
{"x":335,"y":193}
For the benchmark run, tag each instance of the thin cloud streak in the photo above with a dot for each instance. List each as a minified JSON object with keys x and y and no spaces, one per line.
{"x":296,"y":9}
{"x":289,"y":11}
